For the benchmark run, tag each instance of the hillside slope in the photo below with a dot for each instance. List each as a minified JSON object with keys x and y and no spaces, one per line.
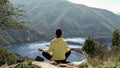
{"x":75,"y":19}
{"x":12,"y":31}
{"x":10,"y":36}
{"x":7,"y":57}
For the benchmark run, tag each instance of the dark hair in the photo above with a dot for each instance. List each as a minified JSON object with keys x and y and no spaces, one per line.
{"x":58,"y":33}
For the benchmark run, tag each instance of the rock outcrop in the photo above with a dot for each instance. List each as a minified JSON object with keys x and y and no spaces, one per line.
{"x":53,"y":64}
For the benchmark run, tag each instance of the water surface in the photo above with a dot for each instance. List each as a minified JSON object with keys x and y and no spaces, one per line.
{"x":30,"y":49}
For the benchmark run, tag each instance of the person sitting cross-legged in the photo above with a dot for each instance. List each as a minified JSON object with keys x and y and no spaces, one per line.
{"x":58,"y":47}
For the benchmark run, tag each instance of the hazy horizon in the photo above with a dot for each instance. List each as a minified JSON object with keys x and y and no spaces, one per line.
{"x":111,"y":5}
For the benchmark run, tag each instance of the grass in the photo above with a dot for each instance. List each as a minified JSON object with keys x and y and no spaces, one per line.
{"x":83,"y":65}
{"x":27,"y":64}
{"x":8,"y":57}
{"x":104,"y":59}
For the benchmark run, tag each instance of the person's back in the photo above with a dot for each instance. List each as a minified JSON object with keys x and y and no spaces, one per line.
{"x":58,"y":47}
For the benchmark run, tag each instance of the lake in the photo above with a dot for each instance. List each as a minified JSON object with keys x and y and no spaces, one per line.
{"x":30,"y":49}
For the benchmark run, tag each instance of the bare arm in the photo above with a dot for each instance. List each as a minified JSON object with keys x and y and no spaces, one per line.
{"x":39,"y":49}
{"x":72,"y":49}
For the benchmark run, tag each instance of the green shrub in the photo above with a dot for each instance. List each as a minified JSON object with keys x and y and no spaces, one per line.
{"x":105,"y":59}
{"x":27,"y":64}
{"x":2,"y":62}
{"x":89,"y":47}
{"x":115,"y":39}
{"x":83,"y":65}
{"x":7,"y":56}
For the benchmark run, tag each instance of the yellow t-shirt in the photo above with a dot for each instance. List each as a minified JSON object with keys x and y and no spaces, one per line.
{"x":58,"y":47}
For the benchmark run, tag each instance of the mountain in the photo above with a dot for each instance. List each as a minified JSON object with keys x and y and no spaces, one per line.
{"x":11,"y":36}
{"x":74,"y":19}
{"x":9,"y":32}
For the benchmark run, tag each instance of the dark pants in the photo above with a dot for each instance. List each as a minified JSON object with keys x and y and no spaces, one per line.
{"x":48,"y":56}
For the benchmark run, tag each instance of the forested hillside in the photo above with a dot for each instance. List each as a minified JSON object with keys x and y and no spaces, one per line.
{"x":75,"y":19}
{"x":12,"y":30}
{"x":11,"y":36}
{"x":44,"y":17}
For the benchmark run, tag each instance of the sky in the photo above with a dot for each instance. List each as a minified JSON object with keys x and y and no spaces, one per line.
{"x":111,"y":5}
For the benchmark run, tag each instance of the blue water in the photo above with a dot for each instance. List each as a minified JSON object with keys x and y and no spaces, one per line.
{"x":30,"y":49}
